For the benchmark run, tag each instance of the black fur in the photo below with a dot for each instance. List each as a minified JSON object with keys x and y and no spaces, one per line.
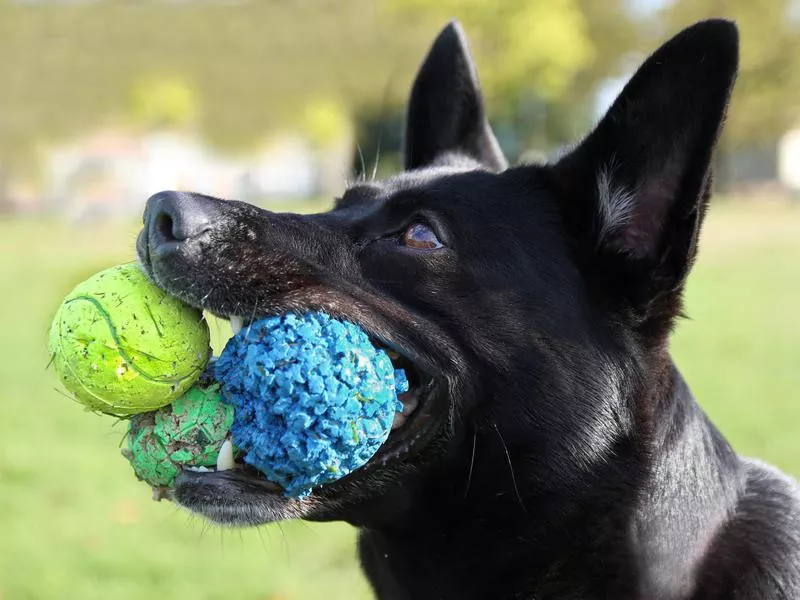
{"x":557,"y":453}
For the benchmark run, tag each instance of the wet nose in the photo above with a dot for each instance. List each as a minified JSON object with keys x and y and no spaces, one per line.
{"x":173,"y":218}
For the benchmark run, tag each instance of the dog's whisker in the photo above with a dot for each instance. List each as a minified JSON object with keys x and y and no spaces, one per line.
{"x":252,"y":317}
{"x":204,"y":528}
{"x":286,"y":550}
{"x":210,"y":291}
{"x":377,"y":159}
{"x":510,"y":467}
{"x":261,"y":537}
{"x":363,"y":176}
{"x":472,"y":460}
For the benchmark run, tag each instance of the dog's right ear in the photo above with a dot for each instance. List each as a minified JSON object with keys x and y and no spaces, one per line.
{"x":635,"y":190}
{"x":445,"y":112}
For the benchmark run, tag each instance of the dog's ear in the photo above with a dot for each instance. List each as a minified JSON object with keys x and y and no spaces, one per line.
{"x":635,"y":190}
{"x":445,"y":112}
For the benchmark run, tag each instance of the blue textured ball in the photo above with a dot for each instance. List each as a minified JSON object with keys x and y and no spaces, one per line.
{"x":313,"y":398}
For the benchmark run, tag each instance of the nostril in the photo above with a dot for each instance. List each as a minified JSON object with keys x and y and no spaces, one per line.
{"x":164,"y":227}
{"x":175,"y":219}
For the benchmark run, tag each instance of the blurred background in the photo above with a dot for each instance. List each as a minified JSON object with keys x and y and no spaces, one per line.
{"x":280,"y":103}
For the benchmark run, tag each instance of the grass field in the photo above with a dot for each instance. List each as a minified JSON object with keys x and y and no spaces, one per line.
{"x":75,"y":524}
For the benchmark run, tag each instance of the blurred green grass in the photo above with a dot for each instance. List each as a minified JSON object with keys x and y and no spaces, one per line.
{"x":739,"y":349}
{"x":76,"y":524}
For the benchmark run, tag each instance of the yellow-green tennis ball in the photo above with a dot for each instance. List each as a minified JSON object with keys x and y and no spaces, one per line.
{"x":122,"y":346}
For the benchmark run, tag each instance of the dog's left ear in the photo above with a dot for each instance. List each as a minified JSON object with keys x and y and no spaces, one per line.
{"x":635,"y":190}
{"x":445,"y":112}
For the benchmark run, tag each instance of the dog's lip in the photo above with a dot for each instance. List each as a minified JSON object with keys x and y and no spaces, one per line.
{"x":241,"y":474}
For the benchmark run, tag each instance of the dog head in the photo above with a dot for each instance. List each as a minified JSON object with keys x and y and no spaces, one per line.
{"x":530,"y":305}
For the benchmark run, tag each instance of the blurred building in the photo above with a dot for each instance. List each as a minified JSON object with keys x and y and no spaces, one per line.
{"x":789,"y":160}
{"x":111,"y":172}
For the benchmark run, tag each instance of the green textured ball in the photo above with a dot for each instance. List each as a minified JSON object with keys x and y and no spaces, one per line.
{"x":122,"y":346}
{"x":187,"y":433}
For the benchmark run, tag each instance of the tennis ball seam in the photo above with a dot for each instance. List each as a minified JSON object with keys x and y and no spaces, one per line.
{"x":77,"y":378}
{"x":121,"y":348}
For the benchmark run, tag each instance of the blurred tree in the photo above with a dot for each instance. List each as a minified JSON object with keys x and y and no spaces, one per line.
{"x":616,"y":33}
{"x":253,"y":65}
{"x":522,"y":45}
{"x":529,"y":54}
{"x":539,"y":61}
{"x":325,"y":122}
{"x":766,"y":100}
{"x":161,"y":102}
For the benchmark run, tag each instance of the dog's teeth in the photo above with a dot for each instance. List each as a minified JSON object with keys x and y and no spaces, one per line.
{"x":236,"y":324}
{"x":410,"y":406}
{"x":199,"y":469}
{"x":399,"y":420}
{"x":225,"y":457}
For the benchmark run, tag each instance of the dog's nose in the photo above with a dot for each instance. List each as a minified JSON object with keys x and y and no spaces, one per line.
{"x":173,"y":218}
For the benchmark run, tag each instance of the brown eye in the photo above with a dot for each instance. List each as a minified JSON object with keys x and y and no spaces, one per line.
{"x":421,"y":237}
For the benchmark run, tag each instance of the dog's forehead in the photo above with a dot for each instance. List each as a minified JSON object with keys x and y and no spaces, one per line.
{"x":461,"y":193}
{"x":432,"y":180}
{"x":404,"y":181}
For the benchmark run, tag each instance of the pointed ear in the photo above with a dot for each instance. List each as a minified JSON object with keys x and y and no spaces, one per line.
{"x":445,"y":112}
{"x":635,"y":190}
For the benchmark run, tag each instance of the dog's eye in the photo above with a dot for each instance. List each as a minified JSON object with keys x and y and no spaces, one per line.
{"x":421,"y":237}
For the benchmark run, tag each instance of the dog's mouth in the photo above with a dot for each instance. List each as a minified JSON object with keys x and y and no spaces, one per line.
{"x":235,"y":493}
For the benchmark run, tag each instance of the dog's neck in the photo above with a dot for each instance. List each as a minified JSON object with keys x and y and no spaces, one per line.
{"x":623,"y":531}
{"x":692,"y":488}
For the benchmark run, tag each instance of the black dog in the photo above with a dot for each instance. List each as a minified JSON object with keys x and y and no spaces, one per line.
{"x":549,"y":447}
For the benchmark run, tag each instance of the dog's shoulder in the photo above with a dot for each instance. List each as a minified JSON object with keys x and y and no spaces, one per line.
{"x":757,"y":553}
